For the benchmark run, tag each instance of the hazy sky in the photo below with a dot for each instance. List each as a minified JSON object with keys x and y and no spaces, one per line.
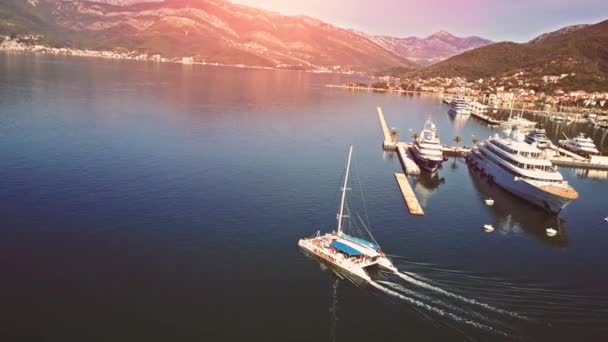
{"x":514,"y":20}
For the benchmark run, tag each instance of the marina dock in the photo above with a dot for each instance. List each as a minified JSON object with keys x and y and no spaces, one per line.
{"x":578,"y":163}
{"x":487,"y":119}
{"x":388,"y":144}
{"x":572,"y":156}
{"x":408,"y":195}
{"x":409,"y":166}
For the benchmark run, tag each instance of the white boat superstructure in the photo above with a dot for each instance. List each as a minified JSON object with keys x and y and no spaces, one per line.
{"x":346,"y":252}
{"x":580,"y":144}
{"x":459,"y":106}
{"x":427,"y":149}
{"x":518,"y":121}
{"x":539,"y":138}
{"x":477,"y":108}
{"x":519,"y":168}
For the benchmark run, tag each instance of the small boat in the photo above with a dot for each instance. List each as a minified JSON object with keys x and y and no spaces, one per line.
{"x":551,"y":232}
{"x":489,"y":201}
{"x":488,"y":228}
{"x":606,"y":219}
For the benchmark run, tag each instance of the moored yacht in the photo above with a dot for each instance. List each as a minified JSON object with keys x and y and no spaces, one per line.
{"x":538,"y":137}
{"x":427,"y":149}
{"x":350,"y":255}
{"x":581,"y":145}
{"x":459,"y":106}
{"x":519,"y":168}
{"x":518,"y":121}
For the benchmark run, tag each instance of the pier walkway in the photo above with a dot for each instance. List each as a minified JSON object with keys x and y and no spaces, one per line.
{"x":389,"y":144}
{"x":572,"y":155}
{"x":408,"y":195}
{"x":487,"y":119}
{"x":409,"y":166}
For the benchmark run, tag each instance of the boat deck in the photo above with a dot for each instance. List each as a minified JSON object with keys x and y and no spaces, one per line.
{"x":408,"y":195}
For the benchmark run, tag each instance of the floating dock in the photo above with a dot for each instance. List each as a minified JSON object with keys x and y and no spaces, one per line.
{"x":408,"y":195}
{"x":572,"y":155}
{"x":409,"y":166}
{"x":577,"y":163}
{"x":487,"y":119}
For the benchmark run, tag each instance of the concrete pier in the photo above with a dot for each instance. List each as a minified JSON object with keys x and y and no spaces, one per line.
{"x":572,"y":155}
{"x":409,"y":166}
{"x":577,"y":163}
{"x":388,"y":144}
{"x":487,"y":119}
{"x":408,"y":195}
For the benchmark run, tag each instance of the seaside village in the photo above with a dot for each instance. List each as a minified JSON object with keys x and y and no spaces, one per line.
{"x":504,"y":91}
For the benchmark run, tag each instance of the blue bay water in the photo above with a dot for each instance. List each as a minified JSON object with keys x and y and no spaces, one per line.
{"x":149,"y":201}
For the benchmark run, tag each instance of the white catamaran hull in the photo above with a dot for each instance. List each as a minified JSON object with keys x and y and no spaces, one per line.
{"x":334,"y":259}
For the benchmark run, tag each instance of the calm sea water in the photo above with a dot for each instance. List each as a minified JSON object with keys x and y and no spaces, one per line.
{"x":164,"y":202}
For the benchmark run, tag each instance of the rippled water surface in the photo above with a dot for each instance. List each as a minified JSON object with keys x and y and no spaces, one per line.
{"x":164,"y":202}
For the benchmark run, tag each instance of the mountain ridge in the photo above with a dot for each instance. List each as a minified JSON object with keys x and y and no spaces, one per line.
{"x":431,"y":49}
{"x":212,"y":31}
{"x":580,"y":53}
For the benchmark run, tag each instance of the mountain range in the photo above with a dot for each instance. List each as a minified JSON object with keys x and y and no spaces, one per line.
{"x":580,"y":52}
{"x":220,"y":31}
{"x":224,"y":32}
{"x":209,"y":30}
{"x":432,"y":49}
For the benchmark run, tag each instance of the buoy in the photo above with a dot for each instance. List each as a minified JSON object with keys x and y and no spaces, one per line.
{"x":551,"y":232}
{"x":488,"y":228}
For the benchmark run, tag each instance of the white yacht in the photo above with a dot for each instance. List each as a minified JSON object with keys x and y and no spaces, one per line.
{"x":518,"y":121}
{"x":427,"y":149}
{"x":477,"y":108}
{"x":581,"y":145}
{"x":459,"y":106}
{"x":350,"y":255}
{"x":539,"y":138}
{"x":519,"y":168}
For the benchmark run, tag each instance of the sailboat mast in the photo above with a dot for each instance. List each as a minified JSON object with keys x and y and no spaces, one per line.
{"x":341,"y":213}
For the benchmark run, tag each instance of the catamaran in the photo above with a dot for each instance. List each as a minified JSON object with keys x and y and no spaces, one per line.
{"x":347,"y":253}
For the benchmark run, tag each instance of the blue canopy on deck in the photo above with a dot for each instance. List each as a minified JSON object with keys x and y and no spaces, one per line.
{"x":344,"y":248}
{"x":360,"y":241}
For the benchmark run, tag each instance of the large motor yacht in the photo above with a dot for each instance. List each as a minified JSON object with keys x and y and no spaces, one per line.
{"x":427,"y":149}
{"x":519,"y":168}
{"x":459,"y":106}
{"x":539,"y":138}
{"x":581,"y":145}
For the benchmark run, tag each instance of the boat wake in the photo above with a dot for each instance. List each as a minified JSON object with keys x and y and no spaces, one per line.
{"x":436,"y":289}
{"x":434,"y":309}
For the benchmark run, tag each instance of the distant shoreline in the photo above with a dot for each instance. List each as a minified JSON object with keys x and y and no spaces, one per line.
{"x":8,"y":45}
{"x":383,"y":90}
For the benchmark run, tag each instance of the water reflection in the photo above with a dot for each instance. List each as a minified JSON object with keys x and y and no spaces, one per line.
{"x":590,"y":173}
{"x":513,"y":215}
{"x":458,"y":121}
{"x":425,"y":184}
